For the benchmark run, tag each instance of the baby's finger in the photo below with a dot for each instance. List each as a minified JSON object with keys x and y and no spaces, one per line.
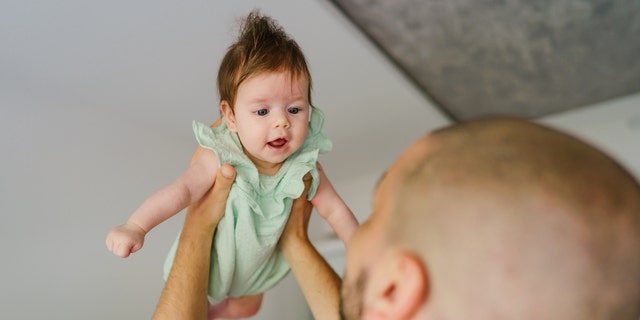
{"x":136,"y":247}
{"x":122,"y":250}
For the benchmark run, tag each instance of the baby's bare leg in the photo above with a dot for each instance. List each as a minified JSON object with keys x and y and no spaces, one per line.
{"x":236,"y":308}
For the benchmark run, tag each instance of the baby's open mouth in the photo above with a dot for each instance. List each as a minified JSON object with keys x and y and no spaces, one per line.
{"x":277,"y":143}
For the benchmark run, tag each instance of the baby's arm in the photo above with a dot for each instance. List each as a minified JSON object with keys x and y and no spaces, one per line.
{"x":332,"y":208}
{"x":163,"y":204}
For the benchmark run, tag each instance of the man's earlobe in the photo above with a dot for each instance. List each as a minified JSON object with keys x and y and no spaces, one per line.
{"x":229,"y":116}
{"x":399,"y":290}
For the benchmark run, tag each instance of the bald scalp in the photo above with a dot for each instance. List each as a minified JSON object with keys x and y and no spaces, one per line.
{"x":514,"y":206}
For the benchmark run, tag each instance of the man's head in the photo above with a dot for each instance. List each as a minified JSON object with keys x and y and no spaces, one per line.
{"x":498,"y":219}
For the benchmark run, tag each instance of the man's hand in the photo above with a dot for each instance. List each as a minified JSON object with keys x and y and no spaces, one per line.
{"x":320,"y":285}
{"x":185,"y":294}
{"x":210,"y":208}
{"x":296,"y":227}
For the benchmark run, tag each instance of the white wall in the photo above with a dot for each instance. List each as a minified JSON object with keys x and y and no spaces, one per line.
{"x":613,"y":126}
{"x":96,"y":102}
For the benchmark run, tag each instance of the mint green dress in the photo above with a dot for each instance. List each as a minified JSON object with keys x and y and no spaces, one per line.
{"x":244,"y":256}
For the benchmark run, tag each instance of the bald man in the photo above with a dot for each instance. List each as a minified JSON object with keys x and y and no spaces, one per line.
{"x":489,"y":219}
{"x":498,"y":219}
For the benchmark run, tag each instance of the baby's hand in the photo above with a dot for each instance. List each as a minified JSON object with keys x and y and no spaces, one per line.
{"x":125,"y":239}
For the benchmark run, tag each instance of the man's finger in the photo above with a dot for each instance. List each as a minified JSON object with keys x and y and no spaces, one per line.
{"x":216,"y":197}
{"x":222,"y":185}
{"x":302,"y":205}
{"x":298,"y":221}
{"x":307,"y":183}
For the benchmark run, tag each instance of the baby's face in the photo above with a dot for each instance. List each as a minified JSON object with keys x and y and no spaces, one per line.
{"x":271,"y":117}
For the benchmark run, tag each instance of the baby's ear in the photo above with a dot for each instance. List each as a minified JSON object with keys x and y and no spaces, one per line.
{"x":398,"y":287}
{"x":229,"y":117}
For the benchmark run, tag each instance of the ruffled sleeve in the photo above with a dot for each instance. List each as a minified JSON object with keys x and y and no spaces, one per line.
{"x":228,"y":149}
{"x":316,"y":137}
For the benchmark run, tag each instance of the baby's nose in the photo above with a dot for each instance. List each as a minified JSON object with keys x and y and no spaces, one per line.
{"x":282,"y":122}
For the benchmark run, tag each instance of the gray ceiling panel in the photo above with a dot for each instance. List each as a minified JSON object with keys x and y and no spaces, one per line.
{"x":516,"y":57}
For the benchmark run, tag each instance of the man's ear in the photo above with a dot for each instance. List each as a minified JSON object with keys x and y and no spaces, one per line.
{"x":229,"y":116}
{"x":398,"y":289}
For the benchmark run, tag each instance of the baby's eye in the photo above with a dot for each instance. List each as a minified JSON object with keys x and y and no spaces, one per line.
{"x":262,"y":112}
{"x":294,"y":110}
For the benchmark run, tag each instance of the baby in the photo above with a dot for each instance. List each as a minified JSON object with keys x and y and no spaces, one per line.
{"x":272,"y":135}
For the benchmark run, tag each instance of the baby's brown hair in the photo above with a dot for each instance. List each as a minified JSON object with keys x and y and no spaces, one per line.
{"x":262,"y":46}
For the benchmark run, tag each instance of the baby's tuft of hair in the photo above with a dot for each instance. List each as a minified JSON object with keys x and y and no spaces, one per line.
{"x":262,"y":46}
